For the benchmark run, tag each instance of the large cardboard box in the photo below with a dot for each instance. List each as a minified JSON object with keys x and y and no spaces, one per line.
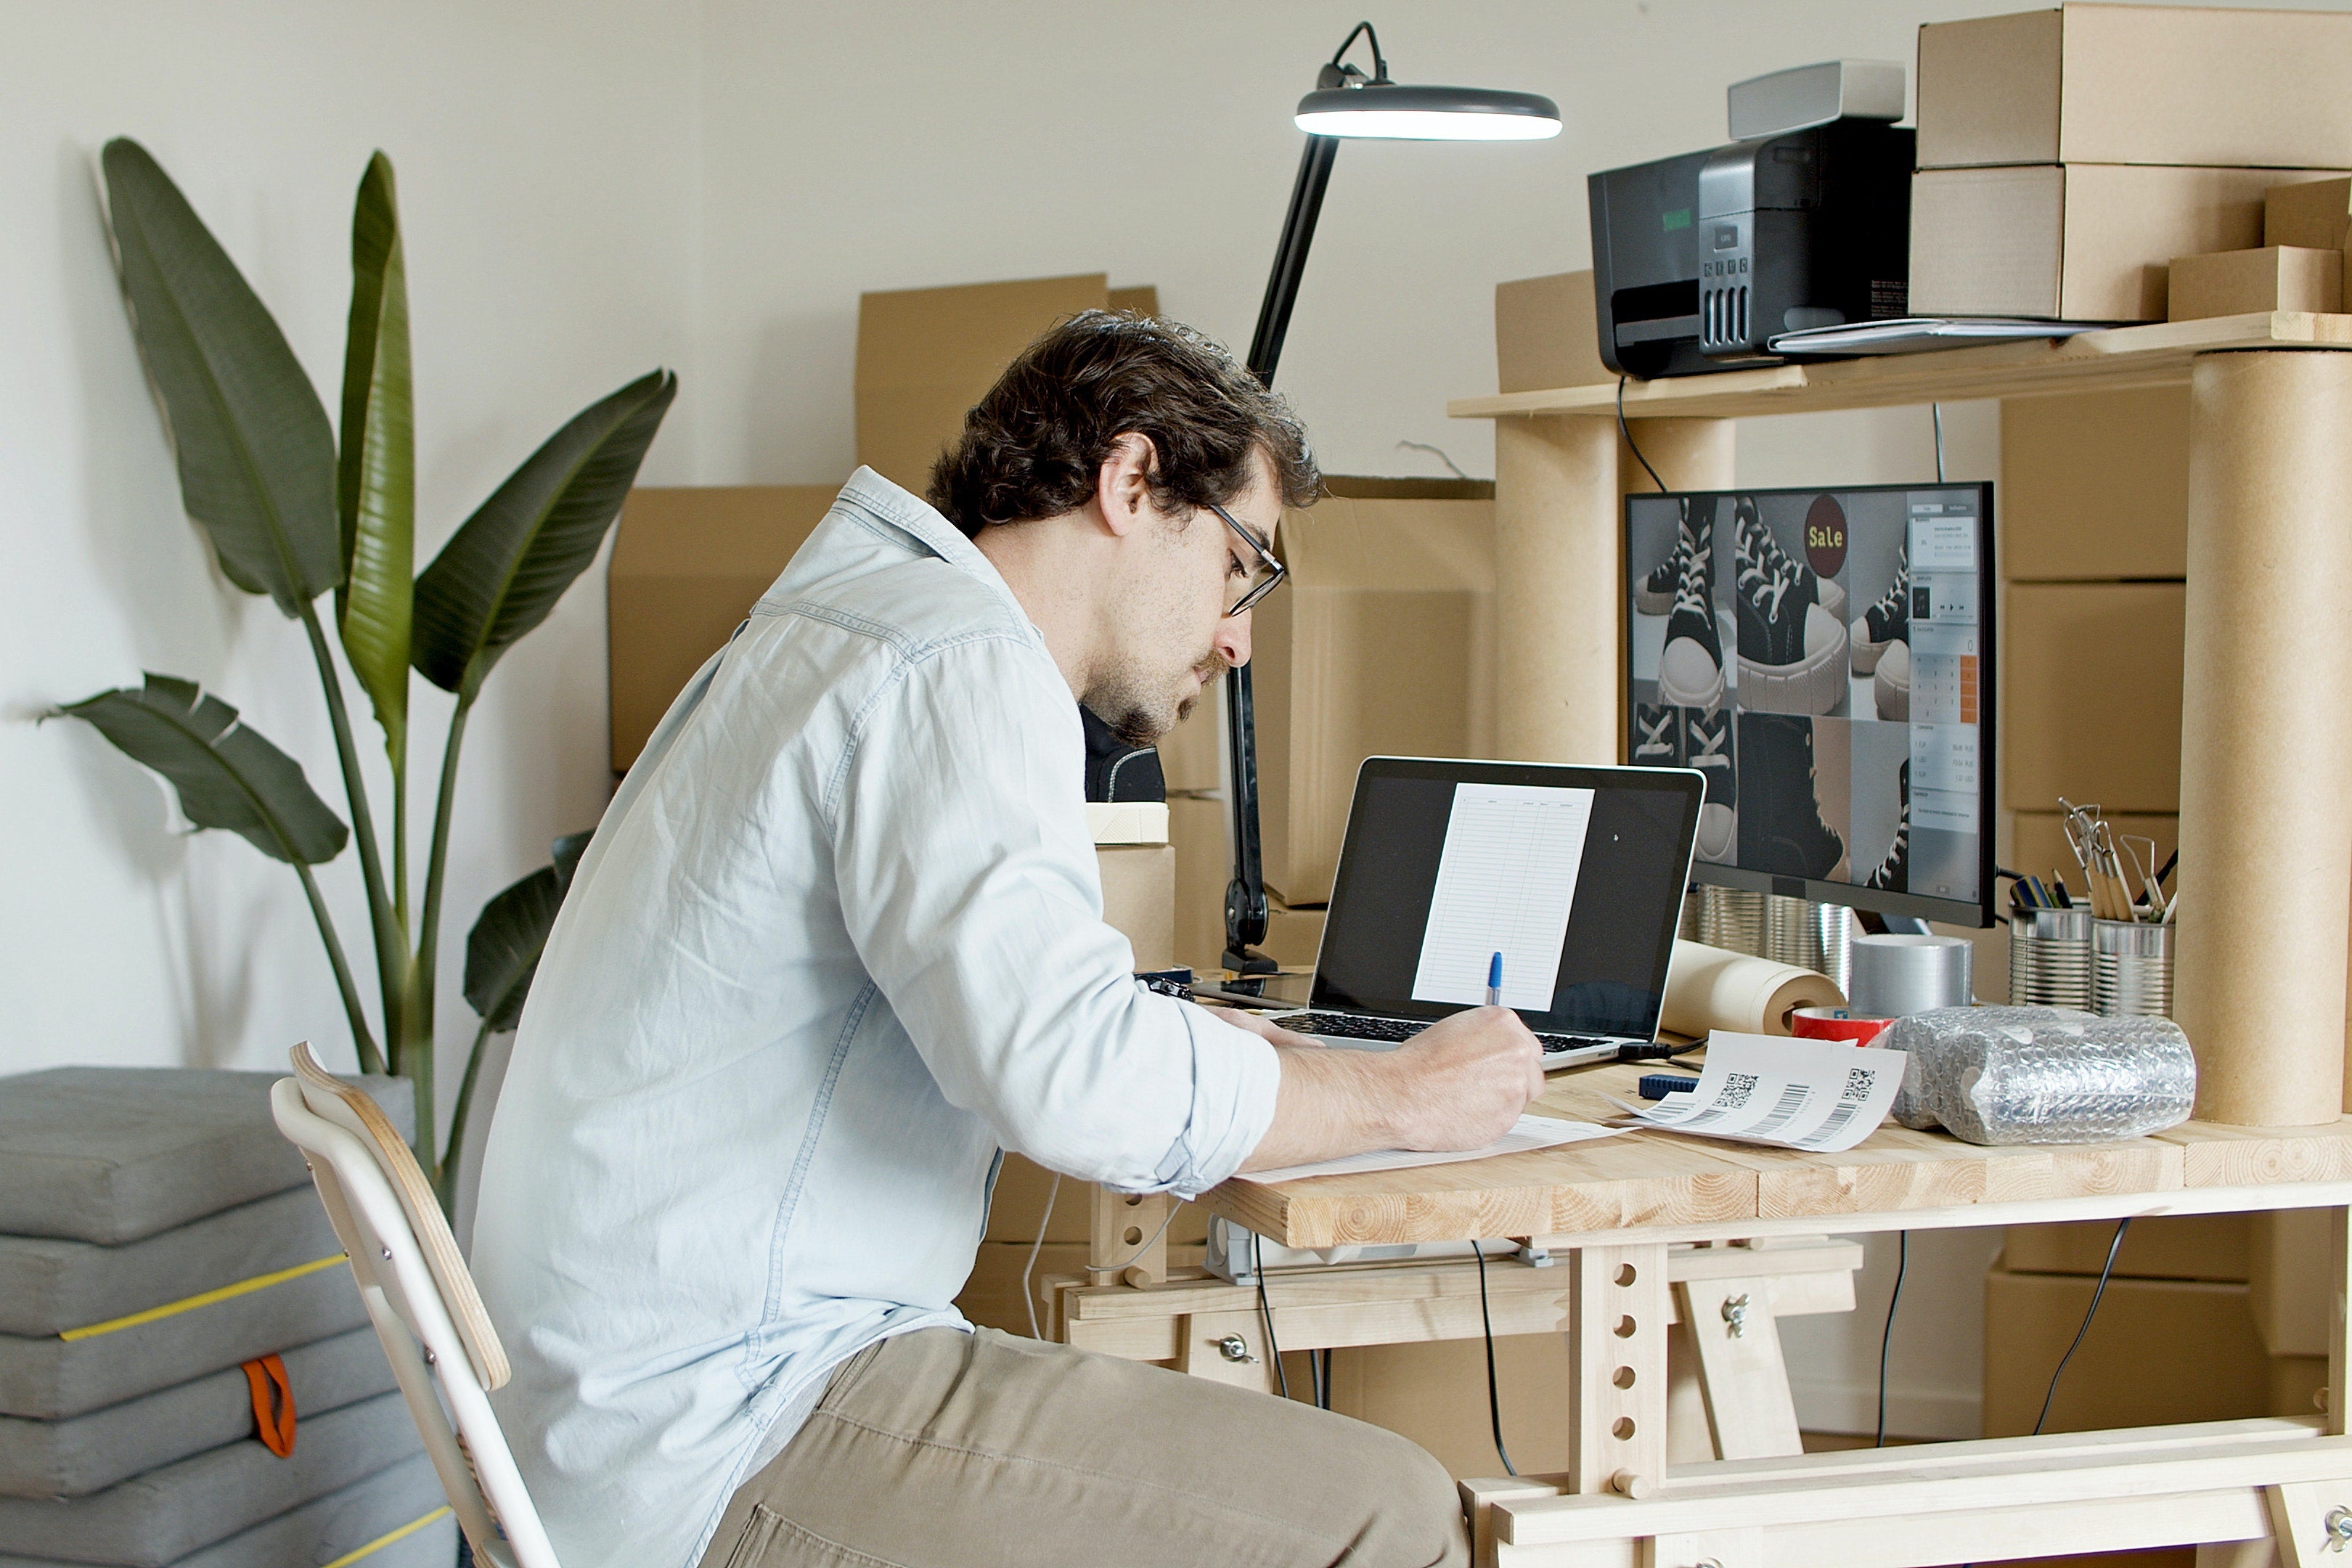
{"x":688,"y":564}
{"x":2073,"y":242}
{"x":1382,"y":643}
{"x":2163,"y":1246}
{"x":2136,"y":84}
{"x":926,"y":355}
{"x":2313,"y":213}
{"x":2093,"y":486}
{"x":2288,"y":1280}
{"x":1138,"y":889}
{"x":1547,"y":333}
{"x":2239,"y":282}
{"x":2158,"y":1352}
{"x":2091,"y":678}
{"x":1196,"y":826}
{"x":1435,"y":1393}
{"x":1292,"y":935}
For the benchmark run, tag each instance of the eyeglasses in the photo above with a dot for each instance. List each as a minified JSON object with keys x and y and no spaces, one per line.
{"x":1274,"y":570}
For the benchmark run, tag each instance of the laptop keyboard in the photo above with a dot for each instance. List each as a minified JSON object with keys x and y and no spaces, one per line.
{"x":1351,"y":1026}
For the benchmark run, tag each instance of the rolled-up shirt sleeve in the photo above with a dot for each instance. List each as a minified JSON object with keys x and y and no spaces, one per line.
{"x":968,"y":883}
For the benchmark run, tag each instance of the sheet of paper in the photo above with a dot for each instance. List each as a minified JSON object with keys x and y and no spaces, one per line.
{"x":1528,"y":1133}
{"x":1823,"y":1096}
{"x":1506,"y":879}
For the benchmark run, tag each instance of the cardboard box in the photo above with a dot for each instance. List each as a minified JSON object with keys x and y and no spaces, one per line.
{"x":2091,"y":678}
{"x":2136,"y":84}
{"x":1019,"y":1206}
{"x":2316,"y":214}
{"x":1292,"y":935}
{"x":2288,"y":1280}
{"x":2163,"y":1246}
{"x":926,"y":355}
{"x":687,"y":565}
{"x":2037,"y":845}
{"x":1435,"y":1393}
{"x":1192,"y":754}
{"x":1548,"y":333}
{"x":2086,"y":242}
{"x":2160,"y":1352}
{"x":1382,"y":643}
{"x":1196,"y":826}
{"x":2238,"y":282}
{"x":2094,"y":485}
{"x":1138,"y":889}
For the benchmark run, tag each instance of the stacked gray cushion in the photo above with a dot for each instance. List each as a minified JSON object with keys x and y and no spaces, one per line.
{"x":122,"y":1190}
{"x":327,"y":1529}
{"x":76,"y":1457}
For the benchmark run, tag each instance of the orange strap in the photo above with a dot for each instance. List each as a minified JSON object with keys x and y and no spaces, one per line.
{"x":273,"y":1403}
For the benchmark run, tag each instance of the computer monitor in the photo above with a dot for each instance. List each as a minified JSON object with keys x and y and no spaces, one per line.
{"x":1825,"y":659}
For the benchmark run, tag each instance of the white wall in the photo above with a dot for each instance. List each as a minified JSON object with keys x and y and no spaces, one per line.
{"x":593,"y":188}
{"x":547,"y":156}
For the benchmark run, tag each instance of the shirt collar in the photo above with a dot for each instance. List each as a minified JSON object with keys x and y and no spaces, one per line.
{"x":899,"y":508}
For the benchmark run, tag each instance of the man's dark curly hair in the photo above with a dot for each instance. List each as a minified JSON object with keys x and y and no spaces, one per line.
{"x":1033,"y":447}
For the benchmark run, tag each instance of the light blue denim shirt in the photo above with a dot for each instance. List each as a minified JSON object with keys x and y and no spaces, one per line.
{"x":838,"y":938}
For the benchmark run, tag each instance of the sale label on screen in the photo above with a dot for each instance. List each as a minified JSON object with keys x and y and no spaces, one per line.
{"x":1825,"y":536}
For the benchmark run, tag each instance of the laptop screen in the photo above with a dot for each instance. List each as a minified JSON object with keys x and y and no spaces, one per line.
{"x":1574,"y":875}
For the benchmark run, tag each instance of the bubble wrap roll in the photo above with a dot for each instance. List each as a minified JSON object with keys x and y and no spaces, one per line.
{"x":2042,"y":1074}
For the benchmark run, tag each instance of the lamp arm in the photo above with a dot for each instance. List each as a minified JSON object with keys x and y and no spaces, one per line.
{"x":1247,"y":914}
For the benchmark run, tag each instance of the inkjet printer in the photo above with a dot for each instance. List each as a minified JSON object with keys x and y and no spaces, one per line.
{"x":1698,"y":262}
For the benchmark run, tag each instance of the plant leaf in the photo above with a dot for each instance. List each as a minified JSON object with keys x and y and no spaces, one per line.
{"x":502,"y":950}
{"x":376,"y":482}
{"x":226,"y":775}
{"x":256,"y":456}
{"x":506,"y":566}
{"x":567,"y":851}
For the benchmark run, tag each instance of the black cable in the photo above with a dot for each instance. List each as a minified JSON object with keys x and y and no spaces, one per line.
{"x":1887,"y":1334}
{"x":1364,"y":31}
{"x":1935,"y":411}
{"x":1273,"y":1351}
{"x":1628,"y":434}
{"x":1318,"y":1369}
{"x":1494,"y":1397}
{"x":2113,"y":1247}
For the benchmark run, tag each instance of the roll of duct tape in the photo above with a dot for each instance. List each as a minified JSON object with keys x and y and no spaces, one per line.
{"x":1894,"y":975}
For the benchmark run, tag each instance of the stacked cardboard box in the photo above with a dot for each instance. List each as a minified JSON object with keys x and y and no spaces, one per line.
{"x":688,"y":563}
{"x":186,"y":1372}
{"x":2065,"y":156}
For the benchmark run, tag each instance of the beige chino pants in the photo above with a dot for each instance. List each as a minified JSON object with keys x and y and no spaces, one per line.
{"x":942,"y":1449}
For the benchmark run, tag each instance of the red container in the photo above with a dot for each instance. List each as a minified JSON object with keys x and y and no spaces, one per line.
{"x":1835,"y":1023}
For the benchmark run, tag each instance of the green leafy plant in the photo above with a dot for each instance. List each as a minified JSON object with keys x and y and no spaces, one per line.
{"x":293,"y":513}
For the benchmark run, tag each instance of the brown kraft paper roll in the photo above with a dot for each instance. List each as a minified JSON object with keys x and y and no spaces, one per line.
{"x":2266,"y":737}
{"x":1708,"y":988}
{"x":1560,"y":588}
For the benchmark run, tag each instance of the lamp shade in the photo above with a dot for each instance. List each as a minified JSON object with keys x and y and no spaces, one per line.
{"x":1428,"y":113}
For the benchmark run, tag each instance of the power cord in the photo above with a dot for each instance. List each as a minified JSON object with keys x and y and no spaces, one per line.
{"x":1623,"y":429}
{"x":2109,"y":1268}
{"x":1493,"y":1398}
{"x":1936,"y":412}
{"x":1264,"y":1311}
{"x":1887,"y":1334}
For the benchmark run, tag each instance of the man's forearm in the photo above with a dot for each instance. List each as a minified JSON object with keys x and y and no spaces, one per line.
{"x":1331,"y":1103}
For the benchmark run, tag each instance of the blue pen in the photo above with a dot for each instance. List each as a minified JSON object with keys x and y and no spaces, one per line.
{"x":1495,"y":981}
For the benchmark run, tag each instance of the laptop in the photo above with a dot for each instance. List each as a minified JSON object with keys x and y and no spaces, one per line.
{"x":1574,"y":876}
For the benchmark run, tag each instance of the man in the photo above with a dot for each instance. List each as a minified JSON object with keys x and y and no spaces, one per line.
{"x":839,"y":940}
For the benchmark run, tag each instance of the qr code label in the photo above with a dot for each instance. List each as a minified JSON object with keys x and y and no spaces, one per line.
{"x":1857,"y":1083}
{"x":1737,"y":1088}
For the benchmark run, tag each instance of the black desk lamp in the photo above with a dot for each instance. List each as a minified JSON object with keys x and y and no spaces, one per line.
{"x":1344,"y":102}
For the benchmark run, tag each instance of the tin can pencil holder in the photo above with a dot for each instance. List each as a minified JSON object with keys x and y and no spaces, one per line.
{"x":2131,"y":969}
{"x":2049,"y":959}
{"x":1731,"y":918}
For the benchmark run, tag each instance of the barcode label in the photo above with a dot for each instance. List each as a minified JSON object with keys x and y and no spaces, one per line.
{"x":1792,"y":1100}
{"x":1839,"y":1116}
{"x":1733,"y":1096}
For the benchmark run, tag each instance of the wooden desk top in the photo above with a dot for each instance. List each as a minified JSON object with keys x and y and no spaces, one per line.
{"x":2157,"y":354}
{"x":1676,"y":1188}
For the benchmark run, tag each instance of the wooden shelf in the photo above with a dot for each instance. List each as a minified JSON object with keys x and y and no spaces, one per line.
{"x":2153,"y":355}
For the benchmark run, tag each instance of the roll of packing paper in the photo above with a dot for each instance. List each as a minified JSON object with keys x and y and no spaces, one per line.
{"x":1709,"y":989}
{"x":1894,"y":975}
